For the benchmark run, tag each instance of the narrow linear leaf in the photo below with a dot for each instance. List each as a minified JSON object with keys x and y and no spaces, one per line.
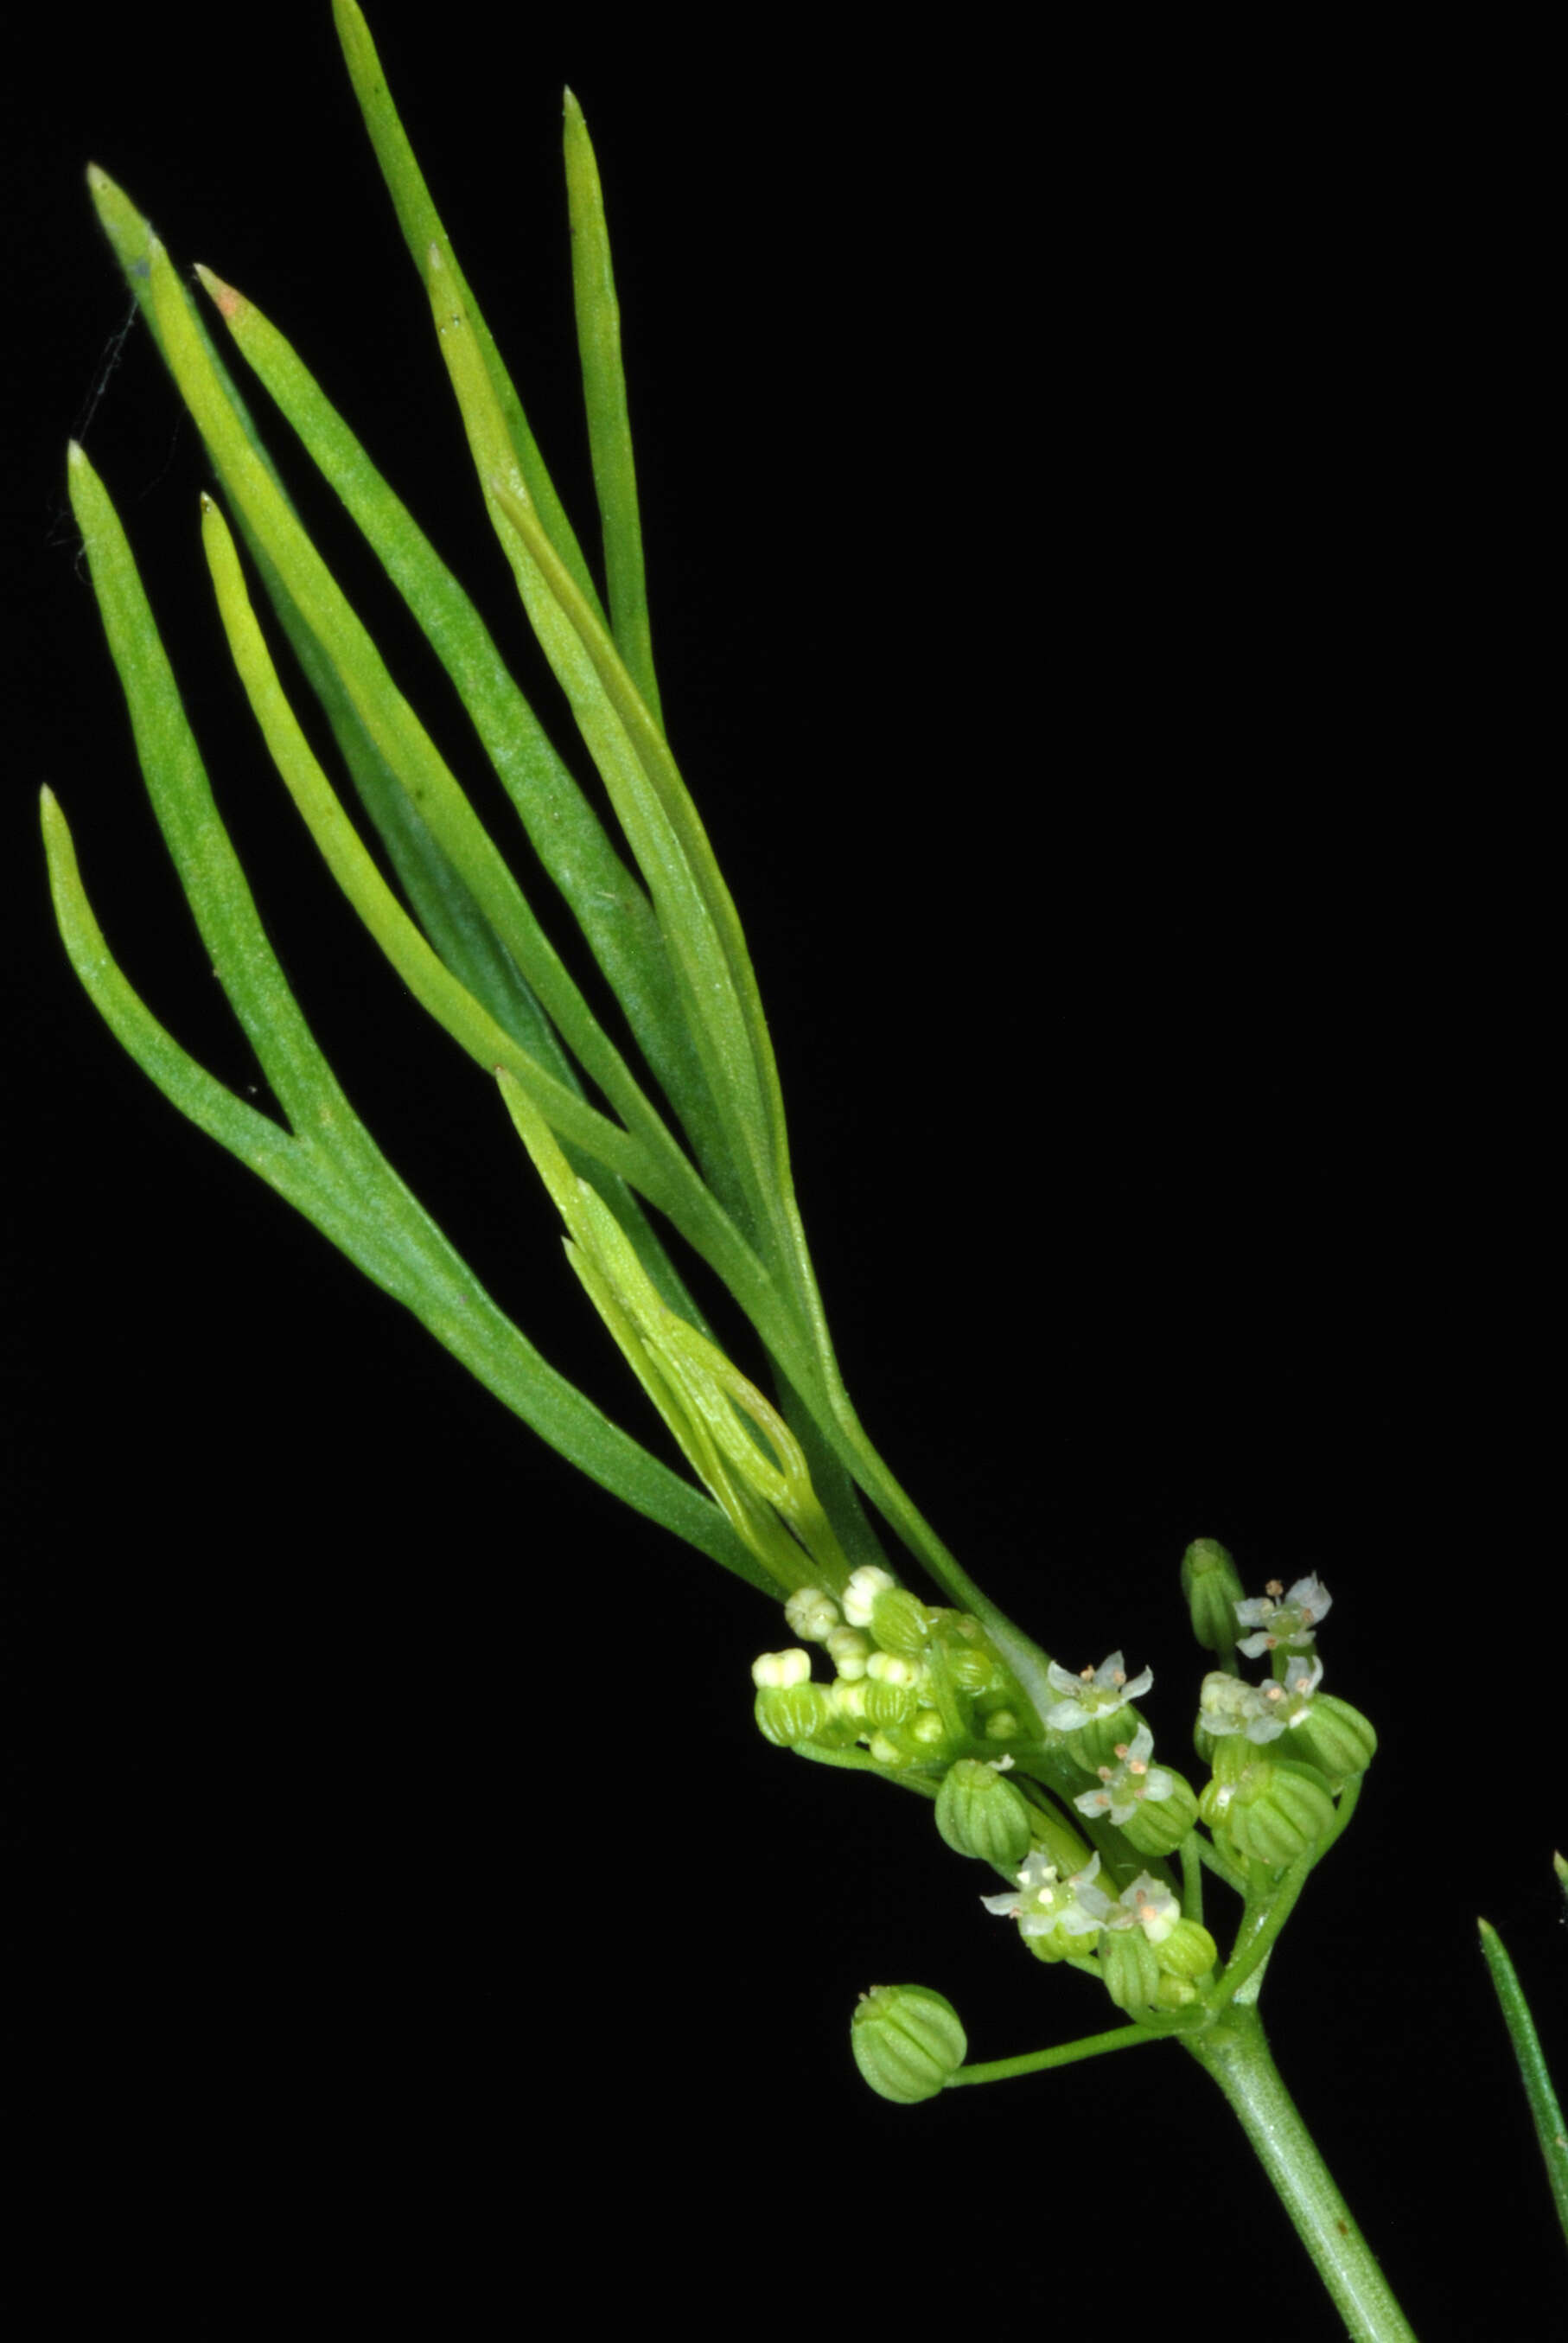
{"x":695,"y":906}
{"x":1545,"y":2111}
{"x":648,"y":1157}
{"x":685,"y":915}
{"x":457,"y":923}
{"x":609,"y":424}
{"x":442,"y":902}
{"x":735,"y":1443}
{"x":421,"y":227}
{"x":605,"y":897}
{"x":432,"y":983}
{"x":460,"y":929}
{"x":341,"y":1183}
{"x":214,"y":885}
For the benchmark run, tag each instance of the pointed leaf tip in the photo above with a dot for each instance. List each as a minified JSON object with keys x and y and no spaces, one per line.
{"x":231,"y":305}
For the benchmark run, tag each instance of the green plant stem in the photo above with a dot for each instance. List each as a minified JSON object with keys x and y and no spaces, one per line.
{"x":1261,"y":1924}
{"x":1235,"y":2051}
{"x":1066,"y":2053}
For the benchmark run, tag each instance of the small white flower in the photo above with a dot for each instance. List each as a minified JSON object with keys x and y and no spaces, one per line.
{"x":1263,"y":1711}
{"x":1280,"y":1618}
{"x":861,"y":1594}
{"x":1097,"y":1692}
{"x":1124,"y":1786}
{"x":1147,"y":1906}
{"x":1074,"y":1905}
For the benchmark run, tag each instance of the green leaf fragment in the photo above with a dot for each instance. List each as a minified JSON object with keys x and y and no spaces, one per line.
{"x":421,"y":227}
{"x":736,"y":1442}
{"x":327,"y":1166}
{"x":431,"y":982}
{"x":1545,"y":2111}
{"x":604,"y":395}
{"x":605,"y":897}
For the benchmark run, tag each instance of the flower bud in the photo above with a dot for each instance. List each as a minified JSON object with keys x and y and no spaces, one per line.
{"x":781,"y":1668}
{"x":1212,"y":1585}
{"x":849,"y":1651}
{"x":811,"y":1614}
{"x":860,"y":1594}
{"x":979,"y":1812}
{"x":907,"y":2041}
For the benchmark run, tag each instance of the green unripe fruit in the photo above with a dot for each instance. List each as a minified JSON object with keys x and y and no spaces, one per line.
{"x":1160,"y":1825}
{"x":1334,"y":1736}
{"x":971,"y":1671}
{"x":1175,"y":1993}
{"x":1276,"y":1813}
{"x":1129,"y":1966}
{"x":907,"y":2041}
{"x":979,"y":1812}
{"x":901,"y":1622}
{"x":787,"y":1713}
{"x":887,"y":1704}
{"x":1189,"y":1951}
{"x":1212,"y":1585}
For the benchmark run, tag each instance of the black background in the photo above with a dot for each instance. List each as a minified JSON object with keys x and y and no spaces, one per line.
{"x":1047,"y":586}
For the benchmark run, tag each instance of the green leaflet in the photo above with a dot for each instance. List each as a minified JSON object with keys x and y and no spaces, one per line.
{"x":605,"y":897}
{"x":327,"y":1164}
{"x":1551,"y":2133}
{"x":421,"y":226}
{"x":443,"y":904}
{"x":680,"y":965}
{"x":763,"y":1486}
{"x":432,"y":983}
{"x":604,"y":397}
{"x":695,"y":910}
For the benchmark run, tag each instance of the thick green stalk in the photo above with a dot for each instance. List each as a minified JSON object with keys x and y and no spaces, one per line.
{"x":1236,"y":2051}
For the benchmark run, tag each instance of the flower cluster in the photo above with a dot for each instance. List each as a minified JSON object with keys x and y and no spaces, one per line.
{"x":1050,"y":1907}
{"x":1275,"y":1809}
{"x":1148,"y":1955}
{"x":913,"y":1683}
{"x":1130,"y":1789}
